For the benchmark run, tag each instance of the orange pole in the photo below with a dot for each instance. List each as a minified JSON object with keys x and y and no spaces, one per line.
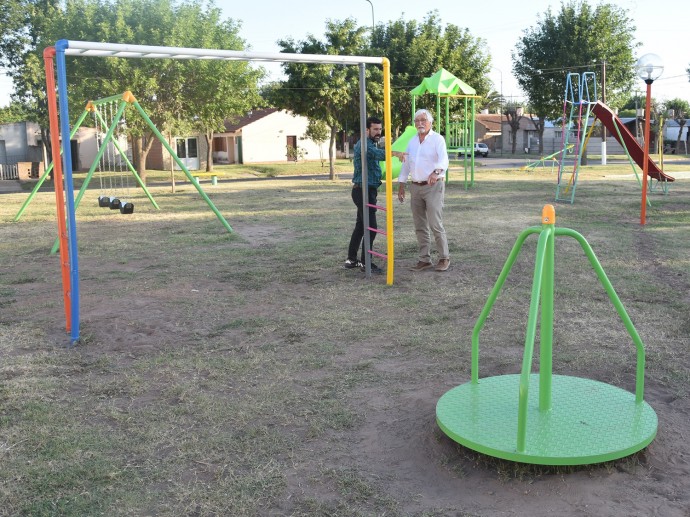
{"x":645,"y":165}
{"x":48,"y":59}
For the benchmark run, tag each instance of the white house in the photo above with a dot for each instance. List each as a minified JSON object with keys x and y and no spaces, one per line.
{"x":264,"y":135}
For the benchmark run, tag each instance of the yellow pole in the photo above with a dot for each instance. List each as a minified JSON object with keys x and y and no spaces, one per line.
{"x":390,"y":270}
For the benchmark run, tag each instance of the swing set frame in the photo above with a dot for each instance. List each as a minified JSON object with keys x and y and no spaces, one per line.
{"x":59,"y":125}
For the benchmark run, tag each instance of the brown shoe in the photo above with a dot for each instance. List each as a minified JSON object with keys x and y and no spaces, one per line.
{"x":443,"y":265}
{"x":421,"y":266}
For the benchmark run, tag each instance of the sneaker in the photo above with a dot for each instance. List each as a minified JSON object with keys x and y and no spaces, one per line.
{"x":421,"y":266}
{"x":443,"y":264}
{"x":375,"y":270}
{"x":351,"y":264}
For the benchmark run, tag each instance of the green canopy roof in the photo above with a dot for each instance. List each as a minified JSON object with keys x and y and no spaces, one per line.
{"x":443,"y":83}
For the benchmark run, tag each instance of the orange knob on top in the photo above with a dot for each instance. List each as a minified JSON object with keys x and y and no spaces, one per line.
{"x":548,"y":215}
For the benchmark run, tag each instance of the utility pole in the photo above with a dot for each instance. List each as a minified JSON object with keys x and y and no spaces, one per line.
{"x":603,"y":99}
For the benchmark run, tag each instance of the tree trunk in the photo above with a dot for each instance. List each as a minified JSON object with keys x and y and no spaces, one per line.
{"x":140,"y":152}
{"x":681,"y":123}
{"x":209,"y":151}
{"x":331,"y":153}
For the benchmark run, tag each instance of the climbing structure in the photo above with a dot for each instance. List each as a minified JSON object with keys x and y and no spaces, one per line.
{"x":459,"y":132}
{"x":580,"y":95}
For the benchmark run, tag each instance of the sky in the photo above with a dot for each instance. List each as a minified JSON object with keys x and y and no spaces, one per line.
{"x":660,"y":29}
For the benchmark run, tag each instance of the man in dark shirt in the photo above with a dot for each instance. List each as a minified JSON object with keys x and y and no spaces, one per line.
{"x":374,"y":156}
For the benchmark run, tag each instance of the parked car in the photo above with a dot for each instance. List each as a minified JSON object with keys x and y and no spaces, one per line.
{"x":479,"y":150}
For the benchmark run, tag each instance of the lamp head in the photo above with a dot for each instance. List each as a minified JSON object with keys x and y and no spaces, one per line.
{"x":649,"y":68}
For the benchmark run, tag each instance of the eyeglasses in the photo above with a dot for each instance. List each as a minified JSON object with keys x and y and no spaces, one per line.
{"x":421,"y":120}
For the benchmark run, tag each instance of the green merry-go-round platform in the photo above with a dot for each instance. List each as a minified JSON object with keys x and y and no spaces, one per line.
{"x":542,"y":418}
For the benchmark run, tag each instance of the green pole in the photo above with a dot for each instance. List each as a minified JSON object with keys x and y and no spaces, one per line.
{"x":546,"y":327}
{"x":47,"y":171}
{"x":465,"y":144}
{"x":182,"y":166}
{"x":472,"y":140}
{"x":620,"y":309}
{"x":530,"y":335}
{"x":512,"y":256}
{"x":131,"y":167}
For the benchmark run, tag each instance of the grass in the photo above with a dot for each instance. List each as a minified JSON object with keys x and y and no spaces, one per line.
{"x":249,"y":374}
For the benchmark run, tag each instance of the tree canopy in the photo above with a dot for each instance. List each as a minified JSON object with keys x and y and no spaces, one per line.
{"x":418,"y":50}
{"x":199,"y":93}
{"x":578,"y":38}
{"x":325,"y":92}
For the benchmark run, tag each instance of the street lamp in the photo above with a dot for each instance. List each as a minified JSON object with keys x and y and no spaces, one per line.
{"x":649,"y":68}
{"x":372,"y":17}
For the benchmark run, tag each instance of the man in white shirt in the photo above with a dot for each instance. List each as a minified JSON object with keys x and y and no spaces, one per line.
{"x":426,"y":162}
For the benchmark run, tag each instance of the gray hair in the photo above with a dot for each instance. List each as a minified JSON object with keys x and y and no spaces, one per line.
{"x":426,"y":113}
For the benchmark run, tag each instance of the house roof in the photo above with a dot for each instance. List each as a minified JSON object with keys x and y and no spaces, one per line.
{"x":247,"y":119}
{"x":492,"y":122}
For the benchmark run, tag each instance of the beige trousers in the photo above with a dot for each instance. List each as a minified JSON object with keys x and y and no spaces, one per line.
{"x":427,"y":214}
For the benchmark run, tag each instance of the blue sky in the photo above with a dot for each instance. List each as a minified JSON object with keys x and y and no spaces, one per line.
{"x":660,"y":28}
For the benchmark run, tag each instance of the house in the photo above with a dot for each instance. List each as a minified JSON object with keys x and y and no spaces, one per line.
{"x":487,"y":129}
{"x":21,"y":145}
{"x":21,"y":150}
{"x":262,"y":135}
{"x":265,"y":135}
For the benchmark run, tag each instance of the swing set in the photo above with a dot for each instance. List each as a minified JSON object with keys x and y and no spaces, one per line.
{"x":55,"y":65}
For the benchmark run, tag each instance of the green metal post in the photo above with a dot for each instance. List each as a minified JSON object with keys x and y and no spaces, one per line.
{"x":45,"y":174}
{"x":530,"y":335}
{"x":512,"y":256}
{"x":472,"y":137}
{"x":183,"y":167}
{"x":620,"y":309}
{"x":546,"y":327}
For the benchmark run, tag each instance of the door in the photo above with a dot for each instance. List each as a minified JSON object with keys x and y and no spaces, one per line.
{"x":291,"y":148}
{"x":188,"y":152}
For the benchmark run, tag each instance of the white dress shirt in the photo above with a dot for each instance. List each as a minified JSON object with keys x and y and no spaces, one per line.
{"x":424,"y":158}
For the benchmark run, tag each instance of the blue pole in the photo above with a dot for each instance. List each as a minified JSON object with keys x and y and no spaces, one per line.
{"x":60,"y":47}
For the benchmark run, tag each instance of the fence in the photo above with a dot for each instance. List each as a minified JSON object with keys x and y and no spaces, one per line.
{"x":9,"y":172}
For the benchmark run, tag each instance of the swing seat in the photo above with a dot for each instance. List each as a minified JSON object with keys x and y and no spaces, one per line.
{"x":103,"y":201}
{"x":127,"y":208}
{"x":114,"y":203}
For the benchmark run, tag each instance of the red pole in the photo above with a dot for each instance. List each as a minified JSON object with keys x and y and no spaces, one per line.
{"x":645,"y":166}
{"x":48,"y":59}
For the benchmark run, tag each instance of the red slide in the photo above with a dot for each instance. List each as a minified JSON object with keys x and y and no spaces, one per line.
{"x":611,"y":120}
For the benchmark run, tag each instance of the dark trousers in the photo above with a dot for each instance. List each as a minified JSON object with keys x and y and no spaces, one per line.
{"x":358,"y":233}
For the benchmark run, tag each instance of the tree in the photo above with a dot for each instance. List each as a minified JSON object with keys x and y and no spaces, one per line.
{"x":681,"y":110}
{"x":325,"y":92}
{"x":514,"y":113}
{"x":23,"y":24}
{"x":317,"y":131}
{"x":15,"y":112}
{"x":418,"y":50}
{"x":578,"y":38}
{"x":170,"y":91}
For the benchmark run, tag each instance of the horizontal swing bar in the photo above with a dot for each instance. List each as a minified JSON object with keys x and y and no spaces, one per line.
{"x":98,"y":49}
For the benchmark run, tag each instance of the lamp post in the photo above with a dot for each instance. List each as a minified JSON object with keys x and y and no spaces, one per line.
{"x":501,"y":106}
{"x":649,"y":67}
{"x":372,"y":17}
